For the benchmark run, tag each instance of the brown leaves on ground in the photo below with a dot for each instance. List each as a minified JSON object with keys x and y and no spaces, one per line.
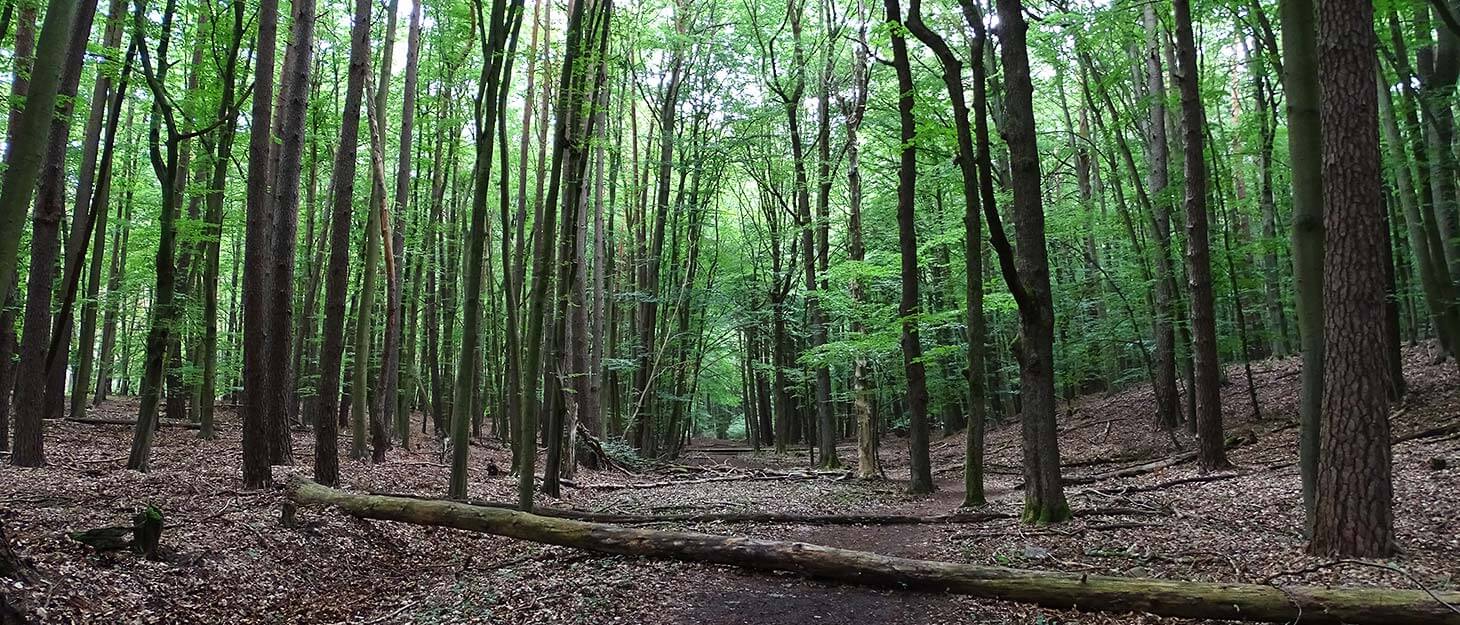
{"x":230,"y":560}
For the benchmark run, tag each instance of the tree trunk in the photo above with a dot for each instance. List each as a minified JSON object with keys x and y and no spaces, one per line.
{"x":496,"y":36}
{"x":91,"y":211}
{"x":326,"y":442}
{"x":30,"y":397}
{"x":257,"y":273}
{"x":868,"y":466}
{"x":1300,"y":82}
{"x":907,"y":310}
{"x":1201,"y":600}
{"x":24,"y":154}
{"x":1027,"y":272}
{"x":1354,"y":500}
{"x":973,"y":238}
{"x":221,"y":149}
{"x":1207,"y":367}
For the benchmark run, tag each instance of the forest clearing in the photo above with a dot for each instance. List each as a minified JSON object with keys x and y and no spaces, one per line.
{"x":729,"y":311}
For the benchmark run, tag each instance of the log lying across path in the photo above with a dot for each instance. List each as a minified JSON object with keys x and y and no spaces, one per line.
{"x":1248,"y":602}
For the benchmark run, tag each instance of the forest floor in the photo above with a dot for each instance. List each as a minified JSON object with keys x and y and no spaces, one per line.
{"x":228,"y":559}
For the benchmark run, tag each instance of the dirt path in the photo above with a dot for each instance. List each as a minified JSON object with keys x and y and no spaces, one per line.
{"x":736,"y":598}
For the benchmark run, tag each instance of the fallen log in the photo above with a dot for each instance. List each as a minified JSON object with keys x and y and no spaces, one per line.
{"x":863,"y":518}
{"x":1195,"y":479}
{"x":760,"y":476}
{"x":187,"y":425}
{"x":1442,"y":430}
{"x":739,"y":450}
{"x":1247,"y":602}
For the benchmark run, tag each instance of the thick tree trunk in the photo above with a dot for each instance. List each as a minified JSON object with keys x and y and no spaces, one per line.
{"x":1354,"y":501}
{"x":1252,"y":602}
{"x":1028,"y":276}
{"x":30,"y":397}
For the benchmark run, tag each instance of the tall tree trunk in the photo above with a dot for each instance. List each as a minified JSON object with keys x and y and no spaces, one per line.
{"x":1028,"y":275}
{"x":907,"y":310}
{"x":87,"y":209}
{"x":30,"y":397}
{"x":24,"y":57}
{"x":290,"y":116}
{"x":326,"y":434}
{"x":258,"y":392}
{"x":390,"y":367}
{"x":1355,"y":497}
{"x":649,"y":264}
{"x":1168,"y":410}
{"x":1198,"y":250}
{"x":221,"y":150}
{"x":502,"y":24}
{"x":973,"y":236}
{"x":1300,"y":82}
{"x":164,"y":155}
{"x":855,"y":111}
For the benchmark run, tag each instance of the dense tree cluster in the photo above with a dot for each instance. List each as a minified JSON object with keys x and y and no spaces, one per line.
{"x":549,"y":221}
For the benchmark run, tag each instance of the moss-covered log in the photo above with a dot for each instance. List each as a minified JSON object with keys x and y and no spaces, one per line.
{"x":1248,"y":602}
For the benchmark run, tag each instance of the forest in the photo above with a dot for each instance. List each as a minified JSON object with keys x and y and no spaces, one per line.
{"x":717,"y":312}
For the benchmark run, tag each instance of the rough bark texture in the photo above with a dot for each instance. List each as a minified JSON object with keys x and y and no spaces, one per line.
{"x":294,"y":87}
{"x":1044,"y":497}
{"x":256,"y":271}
{"x":1207,"y":368}
{"x":1355,"y":496}
{"x":327,"y":426}
{"x":30,"y":396}
{"x":1251,"y":602}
